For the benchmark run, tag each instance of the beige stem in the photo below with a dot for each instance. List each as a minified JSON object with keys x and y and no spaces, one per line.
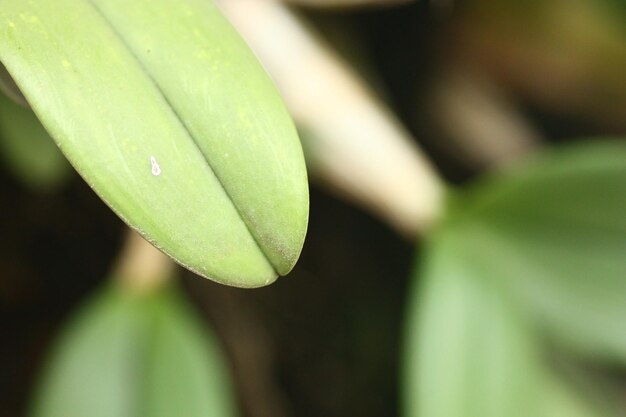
{"x":340,"y":4}
{"x":141,"y":267}
{"x":480,"y":123}
{"x":353,"y":143}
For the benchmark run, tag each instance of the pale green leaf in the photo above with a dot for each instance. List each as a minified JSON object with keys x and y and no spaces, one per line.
{"x":537,"y":251}
{"x":125,"y":86}
{"x":128,"y":355}
{"x":27,"y":148}
{"x":470,"y":352}
{"x":554,"y":232}
{"x":187,"y":376}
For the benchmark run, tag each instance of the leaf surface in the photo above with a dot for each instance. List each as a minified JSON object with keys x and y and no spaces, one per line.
{"x":472,"y":352}
{"x":469,"y":353}
{"x":554,"y":233}
{"x":169,"y":117}
{"x":128,"y":355}
{"x":536,"y":251}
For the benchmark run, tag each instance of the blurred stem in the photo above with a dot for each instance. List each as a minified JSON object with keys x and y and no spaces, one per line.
{"x":352,"y":142}
{"x":566,"y":57}
{"x":480,"y":122}
{"x":141,"y":267}
{"x":344,"y":4}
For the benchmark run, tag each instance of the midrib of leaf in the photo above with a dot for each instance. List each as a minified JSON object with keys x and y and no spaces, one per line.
{"x":158,"y":88}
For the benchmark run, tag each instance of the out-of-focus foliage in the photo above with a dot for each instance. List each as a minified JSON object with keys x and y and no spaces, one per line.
{"x":555,"y":232}
{"x":474,"y":353}
{"x":568,"y":57}
{"x":8,"y":87}
{"x":538,"y":251}
{"x":28,"y":150}
{"x":135,"y":355}
{"x":470,"y":354}
{"x":176,"y":126}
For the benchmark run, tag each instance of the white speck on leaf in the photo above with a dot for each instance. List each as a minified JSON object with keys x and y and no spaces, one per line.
{"x":156,"y":169}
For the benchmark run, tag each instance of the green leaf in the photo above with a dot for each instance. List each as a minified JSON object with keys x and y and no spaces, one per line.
{"x":188,"y":376}
{"x":125,"y":86}
{"x":554,"y":232}
{"x":129,"y":355}
{"x":470,"y":352}
{"x":539,"y":250}
{"x":28,"y":150}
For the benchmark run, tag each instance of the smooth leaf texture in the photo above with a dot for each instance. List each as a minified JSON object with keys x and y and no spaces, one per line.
{"x":128,"y":355}
{"x":540,"y":250}
{"x":559,"y":400}
{"x":470,"y":352}
{"x":118,"y":84}
{"x":27,"y":148}
{"x":554,"y":232}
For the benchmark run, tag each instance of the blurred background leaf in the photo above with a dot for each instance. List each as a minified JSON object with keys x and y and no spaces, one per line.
{"x":468,"y":352}
{"x":555,"y":233}
{"x":542,"y":247}
{"x":27,"y":149}
{"x":135,"y":355}
{"x":471,"y":353}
